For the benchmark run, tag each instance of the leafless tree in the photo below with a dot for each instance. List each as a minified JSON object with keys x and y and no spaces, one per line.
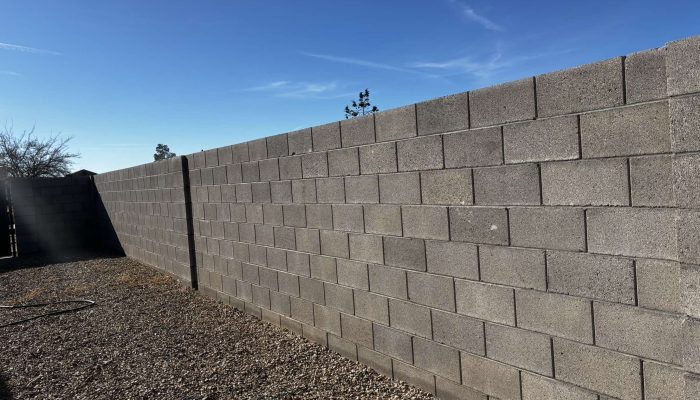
{"x":28,"y":156}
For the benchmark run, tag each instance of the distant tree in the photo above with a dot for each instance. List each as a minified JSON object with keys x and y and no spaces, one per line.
{"x":163,"y":152}
{"x":27,"y":156}
{"x":360,"y":107}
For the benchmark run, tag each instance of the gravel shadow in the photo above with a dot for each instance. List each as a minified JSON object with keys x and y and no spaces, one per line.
{"x":4,"y":390}
{"x":32,"y":261}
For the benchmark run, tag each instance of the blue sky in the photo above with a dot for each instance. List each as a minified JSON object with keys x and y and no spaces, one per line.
{"x":122,"y":76}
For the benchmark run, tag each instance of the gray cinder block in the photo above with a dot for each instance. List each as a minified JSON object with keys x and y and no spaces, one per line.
{"x":261,"y":192}
{"x":587,"y":182}
{"x":300,"y":142}
{"x":330,"y":190}
{"x":314,"y":165}
{"x":537,"y":387}
{"x":302,"y":310}
{"x":448,"y":187}
{"x":541,"y":140}
{"x":420,"y":153}
{"x":455,"y":259}
{"x":257,"y":149}
{"x":686,"y":180}
{"x":334,"y":244}
{"x":312,"y":290}
{"x":658,"y":285}
{"x":298,"y":263}
{"x":414,"y":376}
{"x":366,"y":248}
{"x":281,"y":192}
{"x":507,"y":102}
{"x":473,"y":148}
{"x":288,"y":283}
{"x":584,"y":88}
{"x":388,"y":281}
{"x":689,"y":236}
{"x":431,"y":290}
{"x":559,"y":228}
{"x":377,"y":361}
{"x":683,"y":66}
{"x":304,"y":191}
{"x":357,"y":131}
{"x":371,"y":306}
{"x":662,"y":382}
{"x":519,"y":347}
{"x":591,"y":275}
{"x":326,"y":137}
{"x":640,"y":129}
{"x":250,"y":170}
{"x":269,"y":170}
{"x":555,"y":314}
{"x":290,"y":167}
{"x":648,"y":334}
{"x":319,"y":216}
{"x":458,"y":331}
{"x":636,"y":232}
{"x":398,"y":123}
{"x":598,"y":369}
{"x":294,"y":215}
{"x":405,"y":253}
{"x":402,"y":188}
{"x":449,"y":390}
{"x":357,"y":330}
{"x":479,"y":225}
{"x":410,"y":317}
{"x":383,"y":219}
{"x":339,"y":297}
{"x":362,"y":189}
{"x":284,"y":237}
{"x":308,"y":241}
{"x":343,"y":162}
{"x":523,"y":268}
{"x":436,"y":358}
{"x":323,"y":268}
{"x":490,"y":377}
{"x":327,"y":319}
{"x":645,"y":75}
{"x":378,"y":158}
{"x":353,"y":274}
{"x":444,"y":114}
{"x":485,"y":301}
{"x":277,"y":146}
{"x":343,"y":347}
{"x":425,"y":222}
{"x":651,"y":180}
{"x":685,"y":123}
{"x":507,"y":185}
{"x":348,"y":217}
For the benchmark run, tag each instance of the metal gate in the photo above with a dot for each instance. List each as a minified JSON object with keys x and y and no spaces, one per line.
{"x":8,"y":241}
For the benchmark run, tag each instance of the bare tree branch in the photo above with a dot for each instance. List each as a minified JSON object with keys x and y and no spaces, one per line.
{"x":28,"y":156}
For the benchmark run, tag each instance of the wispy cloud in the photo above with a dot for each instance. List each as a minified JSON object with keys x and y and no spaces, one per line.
{"x":368,"y":64}
{"x":26,"y":49}
{"x":300,"y":90}
{"x":482,"y":69}
{"x":10,"y":73}
{"x":473,"y":16}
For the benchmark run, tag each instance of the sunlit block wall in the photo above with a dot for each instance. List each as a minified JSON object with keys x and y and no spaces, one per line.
{"x":537,"y":239}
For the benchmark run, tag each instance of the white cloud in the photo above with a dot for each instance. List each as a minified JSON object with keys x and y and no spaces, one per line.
{"x":473,"y":16}
{"x":25,"y":49}
{"x":10,"y":73}
{"x":300,"y":90}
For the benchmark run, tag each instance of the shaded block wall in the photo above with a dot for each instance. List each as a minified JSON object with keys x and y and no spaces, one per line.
{"x":53,"y":215}
{"x":532,"y":240}
{"x":147,"y":208}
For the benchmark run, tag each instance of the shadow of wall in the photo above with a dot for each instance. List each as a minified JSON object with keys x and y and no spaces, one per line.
{"x":60,"y":216}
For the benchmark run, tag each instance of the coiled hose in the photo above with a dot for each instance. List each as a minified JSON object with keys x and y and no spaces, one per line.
{"x":85,"y":304}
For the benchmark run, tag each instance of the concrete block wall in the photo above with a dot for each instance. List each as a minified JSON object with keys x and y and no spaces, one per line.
{"x":537,"y":239}
{"x":147,"y":207}
{"x":53,"y":215}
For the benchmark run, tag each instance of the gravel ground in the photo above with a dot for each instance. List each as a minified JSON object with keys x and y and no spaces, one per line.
{"x":148,"y":337}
